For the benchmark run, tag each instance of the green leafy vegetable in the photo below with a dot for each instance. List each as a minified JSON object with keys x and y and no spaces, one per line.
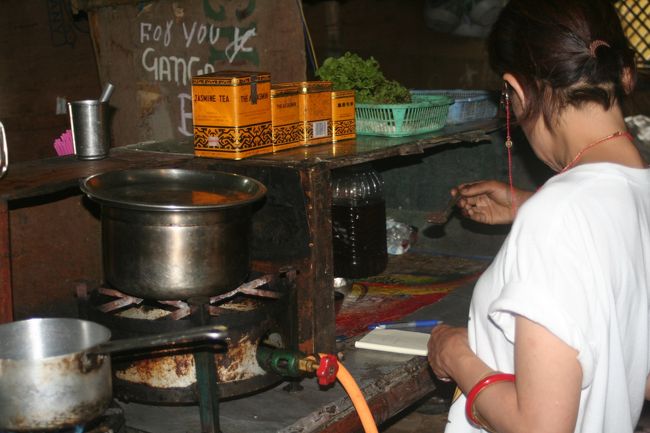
{"x":351,"y":72}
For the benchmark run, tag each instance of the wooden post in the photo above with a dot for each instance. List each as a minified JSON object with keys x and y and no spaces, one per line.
{"x":316,"y":302}
{"x":6,"y":296}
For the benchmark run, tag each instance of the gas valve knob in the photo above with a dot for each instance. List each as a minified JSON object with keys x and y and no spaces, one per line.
{"x":327,"y":370}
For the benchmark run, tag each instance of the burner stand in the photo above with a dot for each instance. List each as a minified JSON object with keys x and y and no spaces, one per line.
{"x":252,"y":313}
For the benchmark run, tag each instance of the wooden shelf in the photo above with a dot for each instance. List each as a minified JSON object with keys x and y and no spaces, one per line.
{"x":293,"y":228}
{"x":39,"y":177}
{"x":364,"y":148}
{"x":46,"y":176}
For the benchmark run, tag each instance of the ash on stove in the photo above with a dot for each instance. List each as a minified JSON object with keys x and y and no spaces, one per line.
{"x":111,"y":421}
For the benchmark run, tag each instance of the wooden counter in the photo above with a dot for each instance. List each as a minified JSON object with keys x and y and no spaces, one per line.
{"x":390,"y":383}
{"x":298,"y":203}
{"x":292,"y":229}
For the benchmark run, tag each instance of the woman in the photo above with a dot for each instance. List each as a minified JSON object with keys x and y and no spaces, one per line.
{"x":558,"y":331}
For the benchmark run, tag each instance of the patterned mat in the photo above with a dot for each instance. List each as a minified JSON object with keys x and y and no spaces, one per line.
{"x":410,"y":282}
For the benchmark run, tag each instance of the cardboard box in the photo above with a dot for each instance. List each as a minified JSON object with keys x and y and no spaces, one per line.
{"x":285,"y":117}
{"x":343,"y":115}
{"x":315,"y":105}
{"x":231,"y":111}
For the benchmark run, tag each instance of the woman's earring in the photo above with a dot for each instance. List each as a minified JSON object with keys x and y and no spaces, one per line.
{"x":505,"y":95}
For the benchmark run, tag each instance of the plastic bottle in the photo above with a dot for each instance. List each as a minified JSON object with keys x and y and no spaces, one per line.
{"x":358,"y":222}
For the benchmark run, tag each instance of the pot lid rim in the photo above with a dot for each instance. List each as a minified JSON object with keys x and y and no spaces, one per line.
{"x":104,"y":188}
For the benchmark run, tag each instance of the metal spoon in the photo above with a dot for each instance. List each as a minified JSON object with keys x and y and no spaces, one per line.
{"x":442,"y":216}
{"x":107,"y":92}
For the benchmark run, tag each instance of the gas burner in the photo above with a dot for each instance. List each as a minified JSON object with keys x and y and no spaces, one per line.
{"x":261,"y":310}
{"x":120,"y":300}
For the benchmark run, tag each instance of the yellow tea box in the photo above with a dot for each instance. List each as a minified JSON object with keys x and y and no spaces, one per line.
{"x":343,"y":115}
{"x":285,"y":117}
{"x":231,"y":111}
{"x":315,"y":105}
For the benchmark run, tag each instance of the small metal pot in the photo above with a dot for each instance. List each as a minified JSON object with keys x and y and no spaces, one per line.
{"x":171,"y":234}
{"x":55,"y":373}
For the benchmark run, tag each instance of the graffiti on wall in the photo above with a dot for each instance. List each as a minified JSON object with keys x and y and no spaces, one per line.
{"x":174,"y":51}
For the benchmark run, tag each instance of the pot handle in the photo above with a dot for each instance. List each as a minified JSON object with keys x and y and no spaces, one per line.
{"x":4,"y":152}
{"x":211,"y":332}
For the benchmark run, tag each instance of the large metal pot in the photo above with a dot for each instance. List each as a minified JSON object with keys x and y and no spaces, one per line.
{"x":172,"y":234}
{"x":55,"y":373}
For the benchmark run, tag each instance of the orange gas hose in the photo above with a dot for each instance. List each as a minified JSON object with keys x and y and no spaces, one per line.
{"x":358,"y":400}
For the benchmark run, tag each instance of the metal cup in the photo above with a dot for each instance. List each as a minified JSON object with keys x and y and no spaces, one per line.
{"x":90,"y":131}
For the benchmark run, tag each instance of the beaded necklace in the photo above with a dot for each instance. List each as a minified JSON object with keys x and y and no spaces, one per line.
{"x":590,"y":145}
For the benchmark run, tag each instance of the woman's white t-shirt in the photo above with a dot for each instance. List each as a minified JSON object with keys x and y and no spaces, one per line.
{"x":576,"y":261}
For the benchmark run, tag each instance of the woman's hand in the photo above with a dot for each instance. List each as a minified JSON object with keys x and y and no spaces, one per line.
{"x":488,"y":201}
{"x":445,"y":345}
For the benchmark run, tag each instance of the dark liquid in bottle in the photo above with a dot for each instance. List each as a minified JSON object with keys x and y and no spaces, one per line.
{"x":359,"y":239}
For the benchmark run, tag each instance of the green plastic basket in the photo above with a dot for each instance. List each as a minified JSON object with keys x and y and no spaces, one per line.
{"x":424,"y":114}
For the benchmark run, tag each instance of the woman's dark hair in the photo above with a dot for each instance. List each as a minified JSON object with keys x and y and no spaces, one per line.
{"x":545,"y":44}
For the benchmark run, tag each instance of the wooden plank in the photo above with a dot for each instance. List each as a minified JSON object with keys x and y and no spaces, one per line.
{"x":387,"y":394}
{"x":390,"y":396}
{"x":45,"y":176}
{"x":6,"y":294}
{"x":316,"y":302}
{"x":32,"y":178}
{"x":88,"y":5}
{"x":365,"y":148}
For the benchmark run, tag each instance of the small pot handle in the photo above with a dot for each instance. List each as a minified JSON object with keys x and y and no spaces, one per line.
{"x":212,"y":333}
{"x":4,"y":152}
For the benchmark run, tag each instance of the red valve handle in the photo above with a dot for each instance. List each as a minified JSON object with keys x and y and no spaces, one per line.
{"x":327,"y":369}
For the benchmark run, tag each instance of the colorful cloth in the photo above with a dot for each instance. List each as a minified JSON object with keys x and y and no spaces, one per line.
{"x":392,"y":295}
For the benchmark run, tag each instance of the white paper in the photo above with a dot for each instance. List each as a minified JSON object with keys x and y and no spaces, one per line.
{"x":396,"y":341}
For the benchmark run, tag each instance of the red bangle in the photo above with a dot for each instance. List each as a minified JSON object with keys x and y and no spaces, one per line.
{"x":476,"y":390}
